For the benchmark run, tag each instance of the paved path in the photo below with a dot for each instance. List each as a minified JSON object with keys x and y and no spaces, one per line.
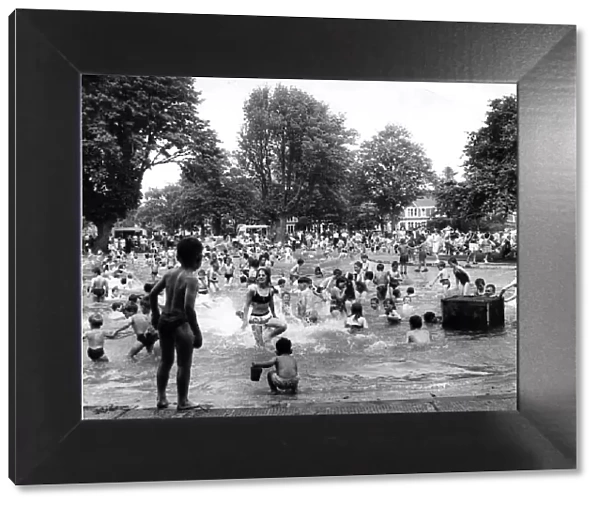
{"x":285,"y":406}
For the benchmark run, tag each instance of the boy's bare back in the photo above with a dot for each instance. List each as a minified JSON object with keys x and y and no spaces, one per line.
{"x":177,"y":284}
{"x":418,"y":336}
{"x":286,"y":366}
{"x":95,"y":338}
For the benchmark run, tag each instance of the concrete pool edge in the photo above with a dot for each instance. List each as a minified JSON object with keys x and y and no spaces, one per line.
{"x":286,"y":406}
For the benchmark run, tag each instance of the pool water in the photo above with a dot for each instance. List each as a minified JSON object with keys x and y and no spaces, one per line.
{"x":334,"y":364}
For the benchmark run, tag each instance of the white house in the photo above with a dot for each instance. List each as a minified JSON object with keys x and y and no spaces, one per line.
{"x":417,"y":214}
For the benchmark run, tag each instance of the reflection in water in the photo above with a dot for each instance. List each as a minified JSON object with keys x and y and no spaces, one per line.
{"x":334,"y":364}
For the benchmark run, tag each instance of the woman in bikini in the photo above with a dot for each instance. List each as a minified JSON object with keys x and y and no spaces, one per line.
{"x":259,"y":310}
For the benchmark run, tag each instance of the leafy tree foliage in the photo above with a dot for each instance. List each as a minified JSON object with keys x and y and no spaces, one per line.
{"x":490,"y":169}
{"x":395,"y":171}
{"x":296,"y":152}
{"x":131,"y":124}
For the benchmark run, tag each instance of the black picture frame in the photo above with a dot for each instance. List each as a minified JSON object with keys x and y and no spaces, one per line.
{"x":50,"y":443}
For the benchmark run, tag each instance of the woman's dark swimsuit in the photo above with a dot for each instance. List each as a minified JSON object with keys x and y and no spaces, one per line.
{"x":257,"y":298}
{"x":262,"y":299}
{"x":98,"y":292}
{"x":95,"y":353}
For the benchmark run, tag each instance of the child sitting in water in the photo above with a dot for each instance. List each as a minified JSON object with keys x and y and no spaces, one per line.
{"x":390,"y":311}
{"x":410,"y":293}
{"x":374,"y":303}
{"x":490,"y":290}
{"x":96,"y":336}
{"x":429,"y":318}
{"x":356,"y":320}
{"x":416,"y":334}
{"x":285,"y":376}
{"x":479,"y":286}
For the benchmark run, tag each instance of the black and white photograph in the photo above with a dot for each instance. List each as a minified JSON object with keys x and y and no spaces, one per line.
{"x":255,"y":247}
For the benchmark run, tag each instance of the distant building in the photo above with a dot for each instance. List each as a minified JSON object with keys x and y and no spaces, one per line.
{"x":417,"y":214}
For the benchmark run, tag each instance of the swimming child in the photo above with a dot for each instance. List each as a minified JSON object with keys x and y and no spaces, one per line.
{"x":356,"y":320}
{"x":479,"y":286}
{"x":461,"y":275}
{"x":178,"y":324}
{"x":285,"y":376}
{"x":416,"y":334}
{"x":96,"y":336}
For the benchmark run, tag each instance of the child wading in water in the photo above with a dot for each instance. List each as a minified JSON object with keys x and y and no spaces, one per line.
{"x":99,"y":286}
{"x":356,"y":320}
{"x":96,"y":336}
{"x":178,"y":325}
{"x":462,"y":276}
{"x":285,"y":375}
{"x":416,"y":334}
{"x":145,"y":334}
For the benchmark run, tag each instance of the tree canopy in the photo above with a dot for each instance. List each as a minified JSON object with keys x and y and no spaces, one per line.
{"x":295,"y":151}
{"x":130,"y":124}
{"x":393,"y":171}
{"x":490,"y":168}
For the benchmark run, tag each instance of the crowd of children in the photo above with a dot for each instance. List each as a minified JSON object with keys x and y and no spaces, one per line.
{"x":171,"y":325}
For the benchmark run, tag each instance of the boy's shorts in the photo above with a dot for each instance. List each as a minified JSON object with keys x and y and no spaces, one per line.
{"x":95,"y":353}
{"x":148,"y":338}
{"x":284,"y":383}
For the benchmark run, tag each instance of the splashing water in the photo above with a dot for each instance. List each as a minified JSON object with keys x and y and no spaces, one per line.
{"x":334,"y":364}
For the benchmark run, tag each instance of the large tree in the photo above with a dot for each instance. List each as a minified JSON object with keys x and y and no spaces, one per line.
{"x":131,"y":124}
{"x":394,"y":171}
{"x":296,"y":151}
{"x":162,"y":209}
{"x":489,"y":188}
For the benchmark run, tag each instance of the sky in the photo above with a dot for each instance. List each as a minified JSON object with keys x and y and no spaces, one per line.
{"x":438,"y":115}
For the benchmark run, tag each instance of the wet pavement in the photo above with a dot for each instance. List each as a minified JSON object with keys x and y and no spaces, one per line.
{"x":283,"y":405}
